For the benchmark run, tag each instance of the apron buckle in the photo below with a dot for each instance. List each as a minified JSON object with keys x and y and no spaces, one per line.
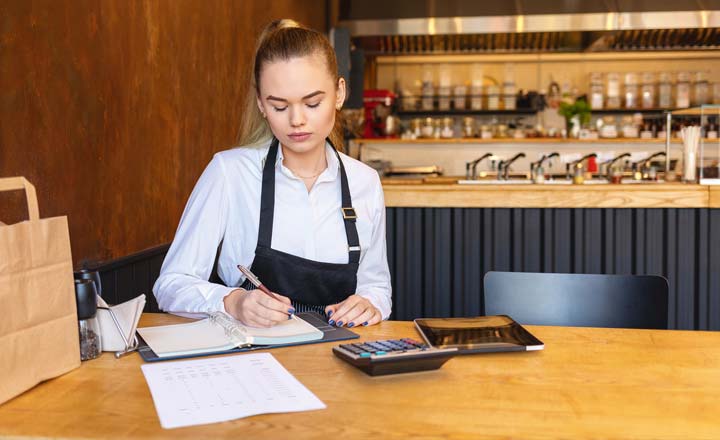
{"x":348,"y":213}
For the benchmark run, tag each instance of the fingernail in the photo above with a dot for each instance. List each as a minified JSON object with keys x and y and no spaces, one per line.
{"x":339,"y":323}
{"x":350,"y":325}
{"x":365,"y":323}
{"x":329,"y":313}
{"x":331,"y":322}
{"x":291,"y":311}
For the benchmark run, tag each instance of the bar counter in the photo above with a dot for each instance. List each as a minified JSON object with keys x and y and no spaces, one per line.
{"x":438,"y":192}
{"x":442,"y":238}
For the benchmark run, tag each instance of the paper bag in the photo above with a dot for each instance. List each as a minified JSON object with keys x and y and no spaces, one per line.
{"x":39,"y":329}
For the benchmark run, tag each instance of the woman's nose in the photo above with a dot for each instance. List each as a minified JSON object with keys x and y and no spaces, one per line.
{"x":297,"y":117}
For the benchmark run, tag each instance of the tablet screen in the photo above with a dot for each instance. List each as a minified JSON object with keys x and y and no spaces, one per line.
{"x":478,"y":334}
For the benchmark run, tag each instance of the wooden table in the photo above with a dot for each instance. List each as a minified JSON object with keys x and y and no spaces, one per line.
{"x":607,"y":383}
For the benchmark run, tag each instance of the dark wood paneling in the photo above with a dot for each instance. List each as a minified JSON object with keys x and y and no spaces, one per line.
{"x":113,"y":108}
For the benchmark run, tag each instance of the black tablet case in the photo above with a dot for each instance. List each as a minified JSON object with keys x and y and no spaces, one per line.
{"x":330,"y":334}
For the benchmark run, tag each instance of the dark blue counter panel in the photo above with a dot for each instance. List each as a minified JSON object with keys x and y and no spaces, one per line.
{"x":438,"y":256}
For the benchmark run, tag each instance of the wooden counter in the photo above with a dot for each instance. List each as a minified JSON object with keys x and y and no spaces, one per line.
{"x":416,"y":193}
{"x":586,"y":383}
{"x":714,"y":197}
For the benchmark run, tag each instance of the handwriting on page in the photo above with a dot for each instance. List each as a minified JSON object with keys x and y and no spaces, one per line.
{"x":203,"y":391}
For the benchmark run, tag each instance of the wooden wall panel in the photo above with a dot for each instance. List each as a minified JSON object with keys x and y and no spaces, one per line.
{"x":113,"y":108}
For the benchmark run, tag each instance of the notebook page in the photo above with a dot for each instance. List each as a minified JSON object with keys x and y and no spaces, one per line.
{"x":293,"y":330}
{"x":194,"y":337}
{"x":203,"y":391}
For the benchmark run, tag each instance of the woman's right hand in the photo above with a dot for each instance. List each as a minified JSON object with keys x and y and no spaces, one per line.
{"x":257,"y":309}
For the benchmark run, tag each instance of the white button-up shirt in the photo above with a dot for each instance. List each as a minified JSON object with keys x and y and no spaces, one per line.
{"x":224,"y":210}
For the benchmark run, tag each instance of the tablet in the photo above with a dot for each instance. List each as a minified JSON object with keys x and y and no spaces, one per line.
{"x":481,"y":334}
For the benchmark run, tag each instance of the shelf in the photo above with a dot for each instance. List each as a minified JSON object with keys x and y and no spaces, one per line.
{"x":453,"y":112}
{"x":545,"y":57}
{"x":514,"y":141}
{"x":611,"y":111}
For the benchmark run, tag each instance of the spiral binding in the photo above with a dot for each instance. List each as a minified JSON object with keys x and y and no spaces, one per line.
{"x":233,"y":330}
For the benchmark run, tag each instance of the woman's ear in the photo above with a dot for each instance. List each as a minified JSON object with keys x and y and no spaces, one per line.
{"x":260,"y":106}
{"x":341,"y":93}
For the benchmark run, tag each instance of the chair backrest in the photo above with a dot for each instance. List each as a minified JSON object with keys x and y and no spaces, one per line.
{"x":582,"y":300}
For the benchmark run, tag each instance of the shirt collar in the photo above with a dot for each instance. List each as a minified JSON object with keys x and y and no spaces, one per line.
{"x":328,"y":175}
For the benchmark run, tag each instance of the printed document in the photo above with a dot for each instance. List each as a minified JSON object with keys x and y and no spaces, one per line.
{"x":202,"y":391}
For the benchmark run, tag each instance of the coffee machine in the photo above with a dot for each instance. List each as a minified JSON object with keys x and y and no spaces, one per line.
{"x":380,"y":122}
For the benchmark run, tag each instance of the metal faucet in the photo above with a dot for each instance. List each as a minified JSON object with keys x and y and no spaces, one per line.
{"x":574,"y":164}
{"x":504,"y":166}
{"x":473,"y":166}
{"x":608,"y":164}
{"x":538,"y":164}
{"x":641,"y":164}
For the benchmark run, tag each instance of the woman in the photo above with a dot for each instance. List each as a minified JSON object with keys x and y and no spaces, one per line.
{"x":307,"y":220}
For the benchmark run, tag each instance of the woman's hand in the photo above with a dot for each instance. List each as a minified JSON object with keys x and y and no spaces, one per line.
{"x":257,"y":309}
{"x":355,"y":310}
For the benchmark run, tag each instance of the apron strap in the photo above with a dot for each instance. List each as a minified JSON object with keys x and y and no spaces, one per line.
{"x":348,"y":213}
{"x":267,"y":196}
{"x":267,"y":204}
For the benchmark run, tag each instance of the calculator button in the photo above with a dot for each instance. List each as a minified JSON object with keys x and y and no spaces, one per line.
{"x":380,"y":353}
{"x":365,"y":355}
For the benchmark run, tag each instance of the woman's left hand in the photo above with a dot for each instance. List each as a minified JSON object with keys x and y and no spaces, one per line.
{"x":353,"y":311}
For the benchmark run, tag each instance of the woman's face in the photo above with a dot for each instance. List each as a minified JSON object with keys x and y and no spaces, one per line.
{"x":299,"y":98}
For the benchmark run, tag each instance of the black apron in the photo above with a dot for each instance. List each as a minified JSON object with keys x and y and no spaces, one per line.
{"x":310,"y":285}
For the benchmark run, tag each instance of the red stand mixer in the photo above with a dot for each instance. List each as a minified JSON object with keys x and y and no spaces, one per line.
{"x":380,"y":122}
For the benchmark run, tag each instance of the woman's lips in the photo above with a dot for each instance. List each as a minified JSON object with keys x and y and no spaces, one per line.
{"x":299,"y":137}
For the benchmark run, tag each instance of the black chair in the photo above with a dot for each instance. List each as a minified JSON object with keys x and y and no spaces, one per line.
{"x":580,"y":300}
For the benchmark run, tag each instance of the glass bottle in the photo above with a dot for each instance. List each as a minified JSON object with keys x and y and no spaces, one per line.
{"x":665,"y":91}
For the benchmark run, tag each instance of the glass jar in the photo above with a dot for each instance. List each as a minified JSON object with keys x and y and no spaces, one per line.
{"x":493,"y":96}
{"x":476,"y":87}
{"x":447,"y":131}
{"x":682,"y":90}
{"x":631,"y":90}
{"x":460,"y":97}
{"x":596,"y":91}
{"x":428,"y":128}
{"x":428,"y":90}
{"x":88,"y":325}
{"x":468,"y":127}
{"x":701,"y":86}
{"x":647,"y":99}
{"x":665,"y":91}
{"x":613,"y":90}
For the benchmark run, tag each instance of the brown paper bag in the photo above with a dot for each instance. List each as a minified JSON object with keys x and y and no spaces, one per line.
{"x":38,"y":328}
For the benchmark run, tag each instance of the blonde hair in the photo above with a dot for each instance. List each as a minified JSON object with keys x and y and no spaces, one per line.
{"x":282,"y":40}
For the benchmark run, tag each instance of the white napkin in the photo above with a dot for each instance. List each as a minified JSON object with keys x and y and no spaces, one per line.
{"x":128,"y":316}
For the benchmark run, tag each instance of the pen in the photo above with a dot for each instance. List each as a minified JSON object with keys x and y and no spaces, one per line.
{"x":255,"y":281}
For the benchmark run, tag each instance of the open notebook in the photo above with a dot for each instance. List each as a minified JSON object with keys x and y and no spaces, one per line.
{"x":220,"y":333}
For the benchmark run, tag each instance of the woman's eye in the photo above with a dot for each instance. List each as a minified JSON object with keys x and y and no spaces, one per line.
{"x":279,"y":109}
{"x":313,"y":105}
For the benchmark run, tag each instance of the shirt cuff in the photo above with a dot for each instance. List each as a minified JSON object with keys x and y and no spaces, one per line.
{"x":216,"y":297}
{"x":379,"y":300}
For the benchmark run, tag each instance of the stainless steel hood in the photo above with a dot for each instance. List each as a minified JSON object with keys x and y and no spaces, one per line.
{"x":447,"y":26}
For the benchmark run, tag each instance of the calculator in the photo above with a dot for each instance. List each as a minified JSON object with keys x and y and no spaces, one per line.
{"x":393,"y":356}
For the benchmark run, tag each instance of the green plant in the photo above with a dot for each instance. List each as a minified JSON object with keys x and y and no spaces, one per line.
{"x":580,"y":108}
